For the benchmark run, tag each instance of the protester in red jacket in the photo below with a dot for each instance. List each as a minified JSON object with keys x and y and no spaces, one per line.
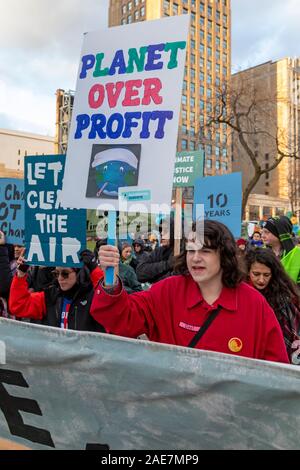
{"x":64,"y":304}
{"x":174,"y":310}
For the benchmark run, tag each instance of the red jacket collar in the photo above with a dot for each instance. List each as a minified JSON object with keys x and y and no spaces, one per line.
{"x":227,"y":298}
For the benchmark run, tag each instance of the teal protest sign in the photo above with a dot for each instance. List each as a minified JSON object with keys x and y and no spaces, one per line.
{"x":79,"y":388}
{"x":188,"y":167}
{"x":12,"y":210}
{"x":222,"y":200}
{"x":54,"y":235}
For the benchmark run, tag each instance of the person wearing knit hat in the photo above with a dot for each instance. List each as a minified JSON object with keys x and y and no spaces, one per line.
{"x":277,"y":233}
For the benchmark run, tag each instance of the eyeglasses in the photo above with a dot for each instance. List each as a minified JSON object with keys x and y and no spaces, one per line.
{"x":63,"y":274}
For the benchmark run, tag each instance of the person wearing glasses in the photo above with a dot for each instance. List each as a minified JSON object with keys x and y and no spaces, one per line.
{"x":206,"y":306}
{"x":65,"y":303}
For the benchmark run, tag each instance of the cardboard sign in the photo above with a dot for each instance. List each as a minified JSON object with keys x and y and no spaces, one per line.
{"x":126,"y":112}
{"x":54,"y":235}
{"x":12,"y":210}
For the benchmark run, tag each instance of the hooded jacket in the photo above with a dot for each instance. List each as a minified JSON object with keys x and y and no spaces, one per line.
{"x":47,"y":305}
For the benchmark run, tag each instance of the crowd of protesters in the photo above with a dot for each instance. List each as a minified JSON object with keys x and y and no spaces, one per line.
{"x":220,"y":294}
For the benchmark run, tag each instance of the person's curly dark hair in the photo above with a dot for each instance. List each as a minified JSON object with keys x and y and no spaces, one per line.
{"x":280,"y":283}
{"x":217,"y":237}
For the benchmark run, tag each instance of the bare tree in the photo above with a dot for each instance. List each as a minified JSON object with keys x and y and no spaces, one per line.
{"x":250,"y":114}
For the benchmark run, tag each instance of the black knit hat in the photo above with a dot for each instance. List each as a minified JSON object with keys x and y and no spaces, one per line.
{"x":282,"y":228}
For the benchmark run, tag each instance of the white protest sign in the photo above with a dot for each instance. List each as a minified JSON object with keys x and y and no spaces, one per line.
{"x":126,"y":113}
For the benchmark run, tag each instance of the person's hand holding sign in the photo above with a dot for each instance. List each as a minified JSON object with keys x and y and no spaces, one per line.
{"x":22,"y":267}
{"x":109,"y":257}
{"x":2,"y":238}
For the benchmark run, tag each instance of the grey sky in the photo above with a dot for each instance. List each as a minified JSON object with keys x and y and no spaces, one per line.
{"x":41,"y":41}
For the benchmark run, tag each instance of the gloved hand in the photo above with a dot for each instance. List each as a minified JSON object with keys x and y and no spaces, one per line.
{"x":23,"y":267}
{"x":89,"y":259}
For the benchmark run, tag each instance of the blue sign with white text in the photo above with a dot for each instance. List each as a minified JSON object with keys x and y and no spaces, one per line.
{"x":54,"y":235}
{"x":222,"y":199}
{"x":12,"y":210}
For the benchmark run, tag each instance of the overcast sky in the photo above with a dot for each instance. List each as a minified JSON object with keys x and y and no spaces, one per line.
{"x":40,"y":43}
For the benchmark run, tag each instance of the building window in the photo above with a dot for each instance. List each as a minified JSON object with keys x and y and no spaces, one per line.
{"x":192,"y":102}
{"x":208,"y":163}
{"x":129,"y":6}
{"x":192,"y":145}
{"x":202,"y":7}
{"x":208,"y":149}
{"x":183,"y":114}
{"x":201,"y":90}
{"x":217,"y":165}
{"x":209,"y":51}
{"x":142,"y":11}
{"x":184,"y":100}
{"x":136,"y":15}
{"x":136,"y":2}
{"x":124,"y":9}
{"x":129,"y":19}
{"x":184,"y":144}
{"x":192,"y":88}
{"x":166,"y":4}
{"x":175,"y":9}
{"x":202,"y":21}
{"x":192,"y":117}
{"x":209,"y":11}
{"x":208,"y":93}
{"x":123,"y":21}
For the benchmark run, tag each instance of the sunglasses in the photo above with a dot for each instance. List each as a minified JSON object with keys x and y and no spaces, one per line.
{"x":63,"y":274}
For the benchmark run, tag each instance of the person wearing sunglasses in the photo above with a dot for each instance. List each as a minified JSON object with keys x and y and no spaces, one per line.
{"x":65,"y":303}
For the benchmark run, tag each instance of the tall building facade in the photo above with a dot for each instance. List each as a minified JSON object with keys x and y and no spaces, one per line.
{"x":15,"y":145}
{"x":280,"y":83}
{"x":207,"y":67}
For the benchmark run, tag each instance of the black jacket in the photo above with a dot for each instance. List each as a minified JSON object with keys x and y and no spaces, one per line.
{"x":5,"y":271}
{"x":157,"y":265}
{"x":79,"y":315}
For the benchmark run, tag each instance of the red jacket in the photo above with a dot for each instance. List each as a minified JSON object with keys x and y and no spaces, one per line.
{"x":26,"y":304}
{"x":173,"y":310}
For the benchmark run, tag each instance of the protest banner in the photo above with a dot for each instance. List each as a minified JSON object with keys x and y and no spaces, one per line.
{"x":222,"y":200}
{"x":125,"y":117}
{"x":54,"y":236}
{"x":62,"y":389}
{"x":12,"y":210}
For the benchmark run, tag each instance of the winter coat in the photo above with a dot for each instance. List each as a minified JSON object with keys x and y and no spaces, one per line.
{"x":158,"y":265}
{"x":47,"y":305}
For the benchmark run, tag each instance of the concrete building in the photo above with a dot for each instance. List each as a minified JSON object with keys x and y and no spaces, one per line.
{"x":279,"y":83}
{"x":207,"y":66}
{"x":15,"y":145}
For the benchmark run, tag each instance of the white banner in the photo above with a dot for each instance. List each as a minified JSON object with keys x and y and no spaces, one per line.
{"x":67,"y":390}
